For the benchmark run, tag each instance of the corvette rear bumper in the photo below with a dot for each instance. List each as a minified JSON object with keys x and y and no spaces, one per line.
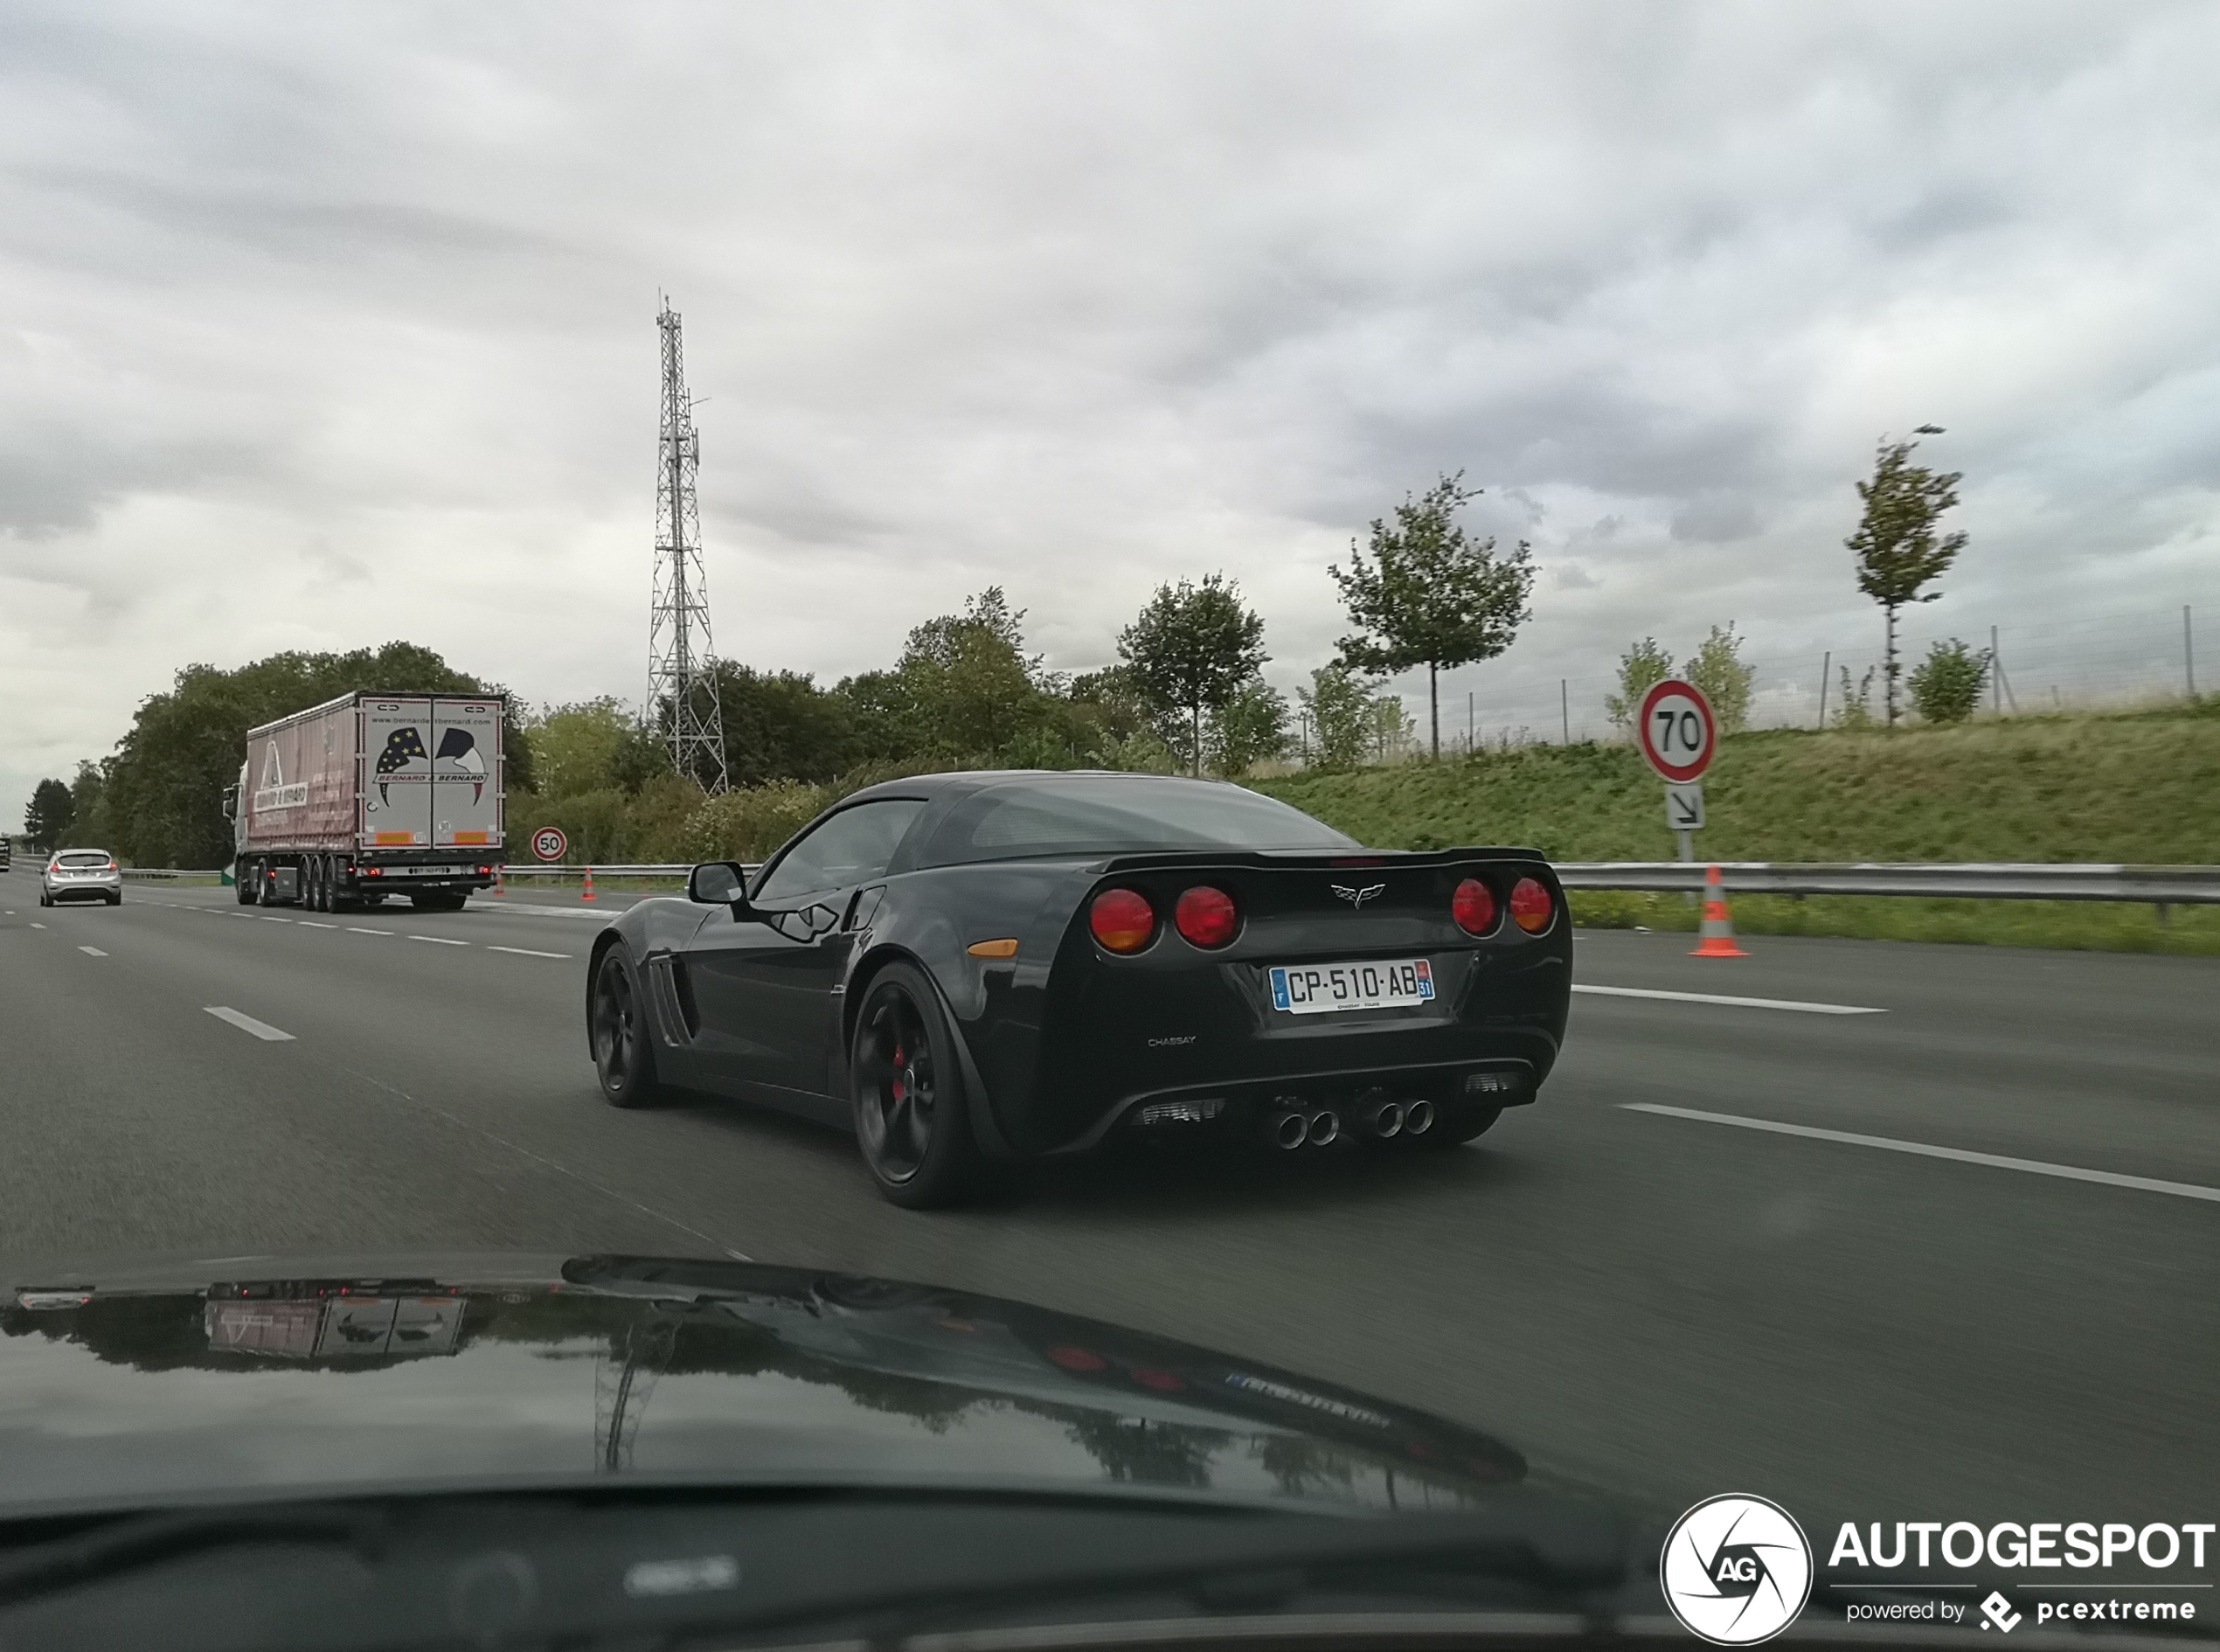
{"x":1243,"y":1107}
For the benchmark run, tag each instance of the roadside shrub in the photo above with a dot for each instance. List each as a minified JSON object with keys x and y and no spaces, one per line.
{"x":1947,"y":686}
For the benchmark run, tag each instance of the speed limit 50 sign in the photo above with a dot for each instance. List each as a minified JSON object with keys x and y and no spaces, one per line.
{"x":1677,"y":732}
{"x":549,"y":843}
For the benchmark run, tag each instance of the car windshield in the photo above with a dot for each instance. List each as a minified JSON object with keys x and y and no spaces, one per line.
{"x":1410,"y":758}
{"x":1084,"y":815}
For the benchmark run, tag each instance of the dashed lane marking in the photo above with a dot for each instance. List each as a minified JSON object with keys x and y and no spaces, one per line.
{"x":356,"y":929}
{"x":440,"y":941}
{"x":1740,"y":1003}
{"x":92,"y":952}
{"x":261,"y":1030}
{"x":526,"y":952}
{"x":307,"y":923}
{"x":1994,"y":1161}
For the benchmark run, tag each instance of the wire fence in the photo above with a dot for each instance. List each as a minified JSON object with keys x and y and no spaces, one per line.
{"x":2096,"y":664}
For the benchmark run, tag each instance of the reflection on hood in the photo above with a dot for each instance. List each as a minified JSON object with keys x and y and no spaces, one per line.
{"x":664,"y":1369}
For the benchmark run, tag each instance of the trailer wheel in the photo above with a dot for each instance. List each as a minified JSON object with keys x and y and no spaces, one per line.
{"x":243,"y":883}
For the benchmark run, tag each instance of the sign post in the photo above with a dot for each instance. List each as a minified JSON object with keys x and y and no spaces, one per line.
{"x":1679,"y":737}
{"x":549,"y":843}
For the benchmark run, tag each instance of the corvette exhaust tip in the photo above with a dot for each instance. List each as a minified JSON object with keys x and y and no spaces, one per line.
{"x":1290,"y":1131}
{"x":1385,"y":1118}
{"x":1325,"y":1125}
{"x":1418,"y":1118}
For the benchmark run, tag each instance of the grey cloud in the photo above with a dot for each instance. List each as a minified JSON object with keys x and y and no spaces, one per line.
{"x":1077,"y":299}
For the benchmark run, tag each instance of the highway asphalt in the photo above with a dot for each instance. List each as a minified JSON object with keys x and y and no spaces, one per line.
{"x":1973,"y":1269}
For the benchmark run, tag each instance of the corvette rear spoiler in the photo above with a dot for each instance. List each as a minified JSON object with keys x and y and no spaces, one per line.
{"x":1314,"y":860}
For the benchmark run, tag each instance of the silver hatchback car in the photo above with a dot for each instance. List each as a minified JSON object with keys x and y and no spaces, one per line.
{"x":81,"y":874}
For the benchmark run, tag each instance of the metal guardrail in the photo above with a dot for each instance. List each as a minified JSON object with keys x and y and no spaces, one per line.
{"x":2144,"y":885}
{"x":600,"y":871}
{"x":2152,"y":885}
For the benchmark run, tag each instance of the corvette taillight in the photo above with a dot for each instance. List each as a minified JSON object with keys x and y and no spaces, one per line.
{"x":1206,"y":916}
{"x":1474,"y":906}
{"x":1122,"y":920}
{"x":1531,"y":908}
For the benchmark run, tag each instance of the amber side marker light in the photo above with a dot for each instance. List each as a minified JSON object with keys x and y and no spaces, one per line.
{"x":1006,"y":948}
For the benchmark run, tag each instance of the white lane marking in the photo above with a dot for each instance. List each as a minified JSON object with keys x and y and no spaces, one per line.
{"x":93,"y":952}
{"x":261,"y":1030}
{"x":268,"y":919}
{"x":526,"y":952}
{"x":308,"y":924}
{"x":1996,"y":1161}
{"x":440,"y":941}
{"x":356,"y":929}
{"x":37,"y":926}
{"x":1744,"y":1003}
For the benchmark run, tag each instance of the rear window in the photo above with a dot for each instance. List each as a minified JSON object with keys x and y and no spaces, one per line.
{"x":83,"y":857}
{"x":1120,"y":815}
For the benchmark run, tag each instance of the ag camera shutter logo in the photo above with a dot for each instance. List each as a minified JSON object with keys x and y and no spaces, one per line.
{"x":1737,"y":1570}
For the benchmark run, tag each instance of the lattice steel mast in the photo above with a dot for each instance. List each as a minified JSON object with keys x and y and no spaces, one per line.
{"x":680,"y":685}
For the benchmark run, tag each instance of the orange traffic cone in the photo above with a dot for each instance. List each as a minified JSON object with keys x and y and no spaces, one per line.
{"x":588,"y":895}
{"x":1718,"y":928}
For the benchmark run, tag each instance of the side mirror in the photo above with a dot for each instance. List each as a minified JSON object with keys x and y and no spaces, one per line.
{"x":717,"y":883}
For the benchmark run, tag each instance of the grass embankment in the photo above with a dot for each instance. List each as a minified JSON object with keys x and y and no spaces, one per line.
{"x":2141,"y":788}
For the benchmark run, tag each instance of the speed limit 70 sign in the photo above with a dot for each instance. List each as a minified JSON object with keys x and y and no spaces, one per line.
{"x":549,"y":843}
{"x":1677,"y":732}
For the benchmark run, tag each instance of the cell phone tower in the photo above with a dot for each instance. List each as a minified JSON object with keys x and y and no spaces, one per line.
{"x":682,"y":690}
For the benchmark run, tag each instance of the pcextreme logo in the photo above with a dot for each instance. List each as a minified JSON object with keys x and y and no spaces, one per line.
{"x":1735,"y":1570}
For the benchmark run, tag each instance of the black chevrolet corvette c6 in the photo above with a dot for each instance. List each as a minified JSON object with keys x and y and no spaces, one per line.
{"x":996,"y":966}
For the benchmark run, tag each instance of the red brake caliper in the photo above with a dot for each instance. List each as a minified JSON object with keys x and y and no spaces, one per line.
{"x":898,"y":1091}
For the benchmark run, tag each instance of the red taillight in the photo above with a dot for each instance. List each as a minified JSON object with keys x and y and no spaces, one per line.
{"x":1474,"y":905}
{"x":1122,"y":920}
{"x":111,"y":866}
{"x":373,"y":872}
{"x":1076,"y":1358}
{"x":1531,"y":908}
{"x":1206,"y":916}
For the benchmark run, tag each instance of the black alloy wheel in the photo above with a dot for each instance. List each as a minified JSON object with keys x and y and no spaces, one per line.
{"x":623,"y":1058}
{"x":908,"y":1092}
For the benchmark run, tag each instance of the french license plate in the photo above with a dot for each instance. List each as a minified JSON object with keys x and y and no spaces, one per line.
{"x":1314,"y":990}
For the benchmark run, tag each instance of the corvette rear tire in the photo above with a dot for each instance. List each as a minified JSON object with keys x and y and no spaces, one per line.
{"x":624,"y":1055}
{"x":912,"y":1119}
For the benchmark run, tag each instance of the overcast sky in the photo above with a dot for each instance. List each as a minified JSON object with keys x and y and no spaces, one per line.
{"x":322,"y":326}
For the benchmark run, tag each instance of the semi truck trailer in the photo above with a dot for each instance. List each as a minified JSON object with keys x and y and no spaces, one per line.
{"x":368,"y":798}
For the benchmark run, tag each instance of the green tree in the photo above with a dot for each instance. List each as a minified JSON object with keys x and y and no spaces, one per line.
{"x":1947,"y":686}
{"x":779,"y":725}
{"x":1249,"y":729}
{"x":89,"y":820}
{"x":1898,"y":549}
{"x":1191,"y":649}
{"x":48,"y":814}
{"x":1433,"y":595}
{"x":1717,"y":670}
{"x":1339,"y":705}
{"x":579,"y":747}
{"x":964,"y":690}
{"x":1641,"y":668}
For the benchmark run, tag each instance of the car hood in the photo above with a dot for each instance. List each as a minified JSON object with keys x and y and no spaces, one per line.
{"x":134,"y":1384}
